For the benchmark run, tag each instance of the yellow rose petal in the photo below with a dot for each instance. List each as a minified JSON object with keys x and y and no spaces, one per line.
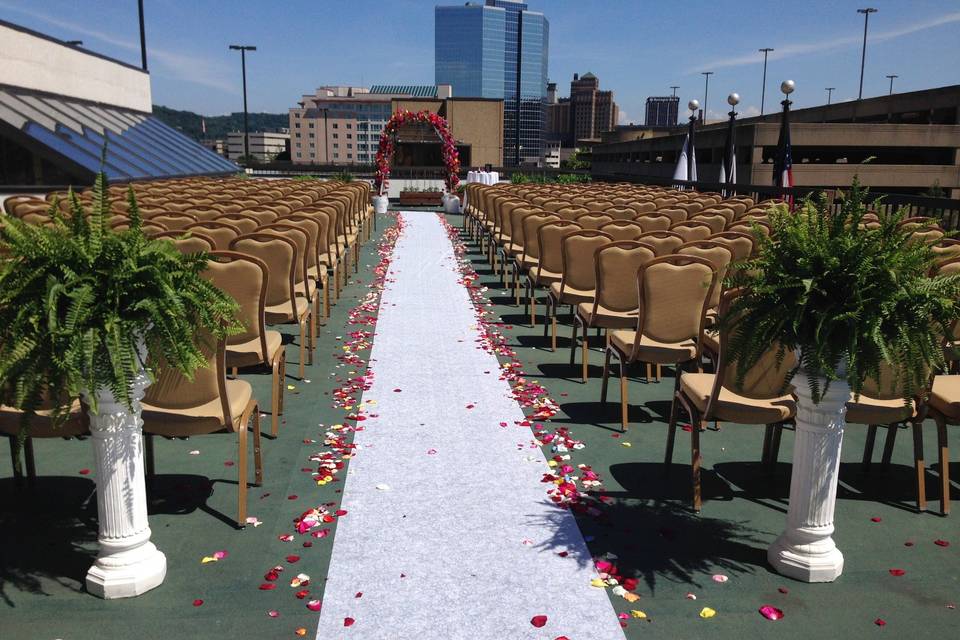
{"x":630,"y":597}
{"x":636,"y":613}
{"x":207,"y":559}
{"x":598,"y":582}
{"x":625,"y":444}
{"x":707,"y":612}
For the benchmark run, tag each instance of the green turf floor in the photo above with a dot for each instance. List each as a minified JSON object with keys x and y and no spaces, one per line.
{"x":47,"y":534}
{"x":650,"y":527}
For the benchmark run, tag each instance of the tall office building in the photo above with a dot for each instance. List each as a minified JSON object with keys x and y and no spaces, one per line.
{"x":592,"y":111}
{"x":499,"y":49}
{"x":662,"y":111}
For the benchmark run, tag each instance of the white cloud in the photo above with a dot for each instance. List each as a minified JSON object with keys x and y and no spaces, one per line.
{"x":823,"y":46}
{"x":193,"y":69}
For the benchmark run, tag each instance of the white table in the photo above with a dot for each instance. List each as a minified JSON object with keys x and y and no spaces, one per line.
{"x":483,"y":177}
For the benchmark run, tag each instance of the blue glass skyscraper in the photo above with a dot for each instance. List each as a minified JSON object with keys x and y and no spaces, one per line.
{"x":498,"y":50}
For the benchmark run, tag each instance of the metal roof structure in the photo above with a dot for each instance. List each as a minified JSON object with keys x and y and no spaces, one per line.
{"x":72,"y":133}
{"x":413,"y":90}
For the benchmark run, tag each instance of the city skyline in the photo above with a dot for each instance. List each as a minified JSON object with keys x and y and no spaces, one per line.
{"x":817,"y":45}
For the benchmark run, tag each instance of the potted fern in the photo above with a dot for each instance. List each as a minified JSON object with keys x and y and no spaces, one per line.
{"x":848,"y":300}
{"x":81,"y":306}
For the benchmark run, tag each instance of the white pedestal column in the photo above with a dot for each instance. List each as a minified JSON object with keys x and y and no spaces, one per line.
{"x":128,"y":563}
{"x":806,"y":550}
{"x":381,"y":204}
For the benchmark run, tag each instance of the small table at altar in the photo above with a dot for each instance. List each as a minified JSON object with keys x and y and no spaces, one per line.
{"x":483,"y":177}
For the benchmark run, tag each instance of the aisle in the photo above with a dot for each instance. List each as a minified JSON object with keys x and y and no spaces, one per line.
{"x":449,"y":533}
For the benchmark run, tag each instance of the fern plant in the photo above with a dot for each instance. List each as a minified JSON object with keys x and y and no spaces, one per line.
{"x":848,"y":299}
{"x":76,"y":299}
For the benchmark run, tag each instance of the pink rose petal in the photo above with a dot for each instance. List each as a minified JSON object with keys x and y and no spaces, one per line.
{"x":770,"y":612}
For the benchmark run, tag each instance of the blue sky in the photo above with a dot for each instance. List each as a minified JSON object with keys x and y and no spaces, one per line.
{"x":636,"y":48}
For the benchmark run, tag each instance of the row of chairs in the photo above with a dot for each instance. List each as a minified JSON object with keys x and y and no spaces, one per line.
{"x":276,"y":261}
{"x":657,"y":294}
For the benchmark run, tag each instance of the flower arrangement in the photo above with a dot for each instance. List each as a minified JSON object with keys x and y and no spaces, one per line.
{"x":451,"y":157}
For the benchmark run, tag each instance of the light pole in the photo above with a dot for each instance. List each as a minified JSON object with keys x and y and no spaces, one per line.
{"x":763,"y":91}
{"x":706,"y":89}
{"x":243,"y":48}
{"x":674,"y":87}
{"x":829,"y":91}
{"x":891,"y":83}
{"x":693,"y":106}
{"x":863,"y":56}
{"x":143,"y":37}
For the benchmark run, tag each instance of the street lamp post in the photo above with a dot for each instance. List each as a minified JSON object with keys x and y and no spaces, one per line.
{"x":892,"y":76}
{"x":674,"y":87}
{"x":829,"y":91}
{"x":763,"y":91}
{"x":243,"y":48}
{"x":693,"y":106}
{"x":706,"y":89}
{"x":863,"y":56}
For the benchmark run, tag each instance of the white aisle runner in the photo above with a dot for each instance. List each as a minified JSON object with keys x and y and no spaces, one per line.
{"x":449,"y":533}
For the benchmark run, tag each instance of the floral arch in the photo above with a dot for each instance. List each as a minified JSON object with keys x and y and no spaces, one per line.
{"x":451,"y":157}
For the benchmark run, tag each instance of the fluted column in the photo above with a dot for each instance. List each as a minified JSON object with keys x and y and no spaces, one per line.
{"x":806,"y":550}
{"x":128,"y":563}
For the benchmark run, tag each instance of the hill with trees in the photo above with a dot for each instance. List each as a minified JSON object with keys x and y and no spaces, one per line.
{"x":189,"y":122}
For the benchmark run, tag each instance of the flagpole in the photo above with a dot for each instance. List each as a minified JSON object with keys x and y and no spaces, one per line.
{"x":783,"y":163}
{"x":728,"y":165}
{"x":691,"y":132}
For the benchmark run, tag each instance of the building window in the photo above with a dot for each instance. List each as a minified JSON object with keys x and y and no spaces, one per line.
{"x":349,"y":136}
{"x":335,"y":125}
{"x":336,"y":146}
{"x":309,"y":124}
{"x":311,"y":135}
{"x":297,"y":125}
{"x":299,"y":155}
{"x":336,"y":135}
{"x":349,"y":146}
{"x":297,"y":134}
{"x":312,"y":145}
{"x":298,"y":145}
{"x":336,"y":155}
{"x":349,"y":126}
{"x":350,"y":156}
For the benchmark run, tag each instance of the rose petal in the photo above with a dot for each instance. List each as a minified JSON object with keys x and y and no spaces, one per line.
{"x":880,"y":622}
{"x":897,"y":572}
{"x":198,"y":602}
{"x":783,"y":590}
{"x":301,"y":632}
{"x":84,"y":472}
{"x":314,"y":605}
{"x":707,"y":612}
{"x":770,"y":612}
{"x":292,"y":559}
{"x":359,"y":594}
{"x":348,"y":622}
{"x":538,"y":621}
{"x":875,"y":519}
{"x":719,"y":577}
{"x":273,"y":613}
{"x":268,"y":586}
{"x":941,"y":543}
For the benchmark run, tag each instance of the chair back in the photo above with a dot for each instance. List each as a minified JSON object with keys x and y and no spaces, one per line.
{"x":643,"y":206}
{"x":244,"y":278}
{"x":242,"y":221}
{"x":718,"y":255}
{"x":620,"y":212}
{"x":673,"y":293}
{"x":675,"y":213}
{"x":187,"y":241}
{"x":616,"y":265}
{"x":741,"y":244}
{"x":220,"y":232}
{"x":577,"y":252}
{"x":716,"y":221}
{"x":592,"y":220}
{"x":691,"y":230}
{"x":550,"y":244}
{"x":530,"y":226}
{"x":663,"y":242}
{"x":172,"y":220}
{"x":173,"y":391}
{"x":623,"y":229}
{"x":282,"y":258}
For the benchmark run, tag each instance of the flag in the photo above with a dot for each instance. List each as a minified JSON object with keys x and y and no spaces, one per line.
{"x":728,"y":168}
{"x":783,"y":161}
{"x":680,"y":173}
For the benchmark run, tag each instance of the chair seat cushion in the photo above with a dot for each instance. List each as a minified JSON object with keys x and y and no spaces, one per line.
{"x":542,"y":277}
{"x":652,"y":350}
{"x":945,"y":396}
{"x":606,"y":318}
{"x":205,"y":418}
{"x":280,"y":313}
{"x":732,"y":407}
{"x":571,"y":295}
{"x":875,"y":411}
{"x":41,"y":425}
{"x":245,"y":354}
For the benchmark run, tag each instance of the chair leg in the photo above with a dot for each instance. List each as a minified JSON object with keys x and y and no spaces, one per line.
{"x":868,"y":447}
{"x":275,"y":399}
{"x":671,"y":433}
{"x":553,"y":328}
{"x":148,"y":455}
{"x":30,"y":460}
{"x":624,"y":407}
{"x":313,"y":339}
{"x":532,"y":301}
{"x":242,"y":474}
{"x":303,"y":348}
{"x":573,"y":343}
{"x":257,"y":457}
{"x":888,"y":445}
{"x":944,"y":465}
{"x":606,"y":376}
{"x":919,"y":466}
{"x":767,"y":435}
{"x":585,"y":353}
{"x":283,"y":377}
{"x":326,"y":298}
{"x":775,"y":447}
{"x":695,"y":460}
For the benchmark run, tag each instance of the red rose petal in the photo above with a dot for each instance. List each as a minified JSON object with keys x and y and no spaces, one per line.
{"x":876,"y":519}
{"x":292,"y":559}
{"x":397,"y":390}
{"x":348,"y":622}
{"x":84,"y":472}
{"x":268,"y":586}
{"x":293,"y":497}
{"x":770,"y":612}
{"x":198,"y":602}
{"x":908,"y":543}
{"x":228,"y":463}
{"x":314,"y":605}
{"x":341,"y":512}
{"x":783,"y":590}
{"x":897,"y":572}
{"x":538,"y":621}
{"x":359,"y":594}
{"x":941,"y":543}
{"x":302,"y":594}
{"x":880,"y":622}
{"x":273,"y":613}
